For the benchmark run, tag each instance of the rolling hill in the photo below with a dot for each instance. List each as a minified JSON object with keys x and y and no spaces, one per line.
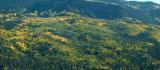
{"x":79,"y":35}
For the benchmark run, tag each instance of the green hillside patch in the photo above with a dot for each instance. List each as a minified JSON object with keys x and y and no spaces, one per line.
{"x":155,"y":34}
{"x":73,"y":42}
{"x":136,"y":29}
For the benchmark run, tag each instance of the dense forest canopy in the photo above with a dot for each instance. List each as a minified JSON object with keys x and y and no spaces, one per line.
{"x":79,"y":35}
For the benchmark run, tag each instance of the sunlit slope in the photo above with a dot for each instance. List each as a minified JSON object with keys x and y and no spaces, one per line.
{"x":75,"y":42}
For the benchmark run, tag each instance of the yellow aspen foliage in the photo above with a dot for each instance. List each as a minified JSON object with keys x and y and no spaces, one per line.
{"x":98,"y":23}
{"x":20,"y":33}
{"x":48,"y":33}
{"x":136,"y":29}
{"x":22,"y":46}
{"x":57,"y":37}
{"x":155,"y":34}
{"x":118,"y":49}
{"x":158,"y":37}
{"x":11,"y":47}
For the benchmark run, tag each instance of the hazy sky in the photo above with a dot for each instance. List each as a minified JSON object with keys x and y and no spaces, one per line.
{"x":157,"y":1}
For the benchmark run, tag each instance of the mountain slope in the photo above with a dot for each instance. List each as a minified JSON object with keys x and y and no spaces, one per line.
{"x":79,"y":35}
{"x":71,"y":41}
{"x":104,"y":9}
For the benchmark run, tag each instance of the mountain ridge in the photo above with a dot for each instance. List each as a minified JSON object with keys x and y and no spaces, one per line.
{"x":113,"y":10}
{"x":79,"y":35}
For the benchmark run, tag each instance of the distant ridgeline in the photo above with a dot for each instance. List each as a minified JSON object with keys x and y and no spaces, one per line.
{"x":147,"y":12}
{"x":60,"y":35}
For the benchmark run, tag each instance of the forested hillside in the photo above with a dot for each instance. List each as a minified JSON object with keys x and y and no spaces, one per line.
{"x":79,"y":35}
{"x":69,"y":41}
